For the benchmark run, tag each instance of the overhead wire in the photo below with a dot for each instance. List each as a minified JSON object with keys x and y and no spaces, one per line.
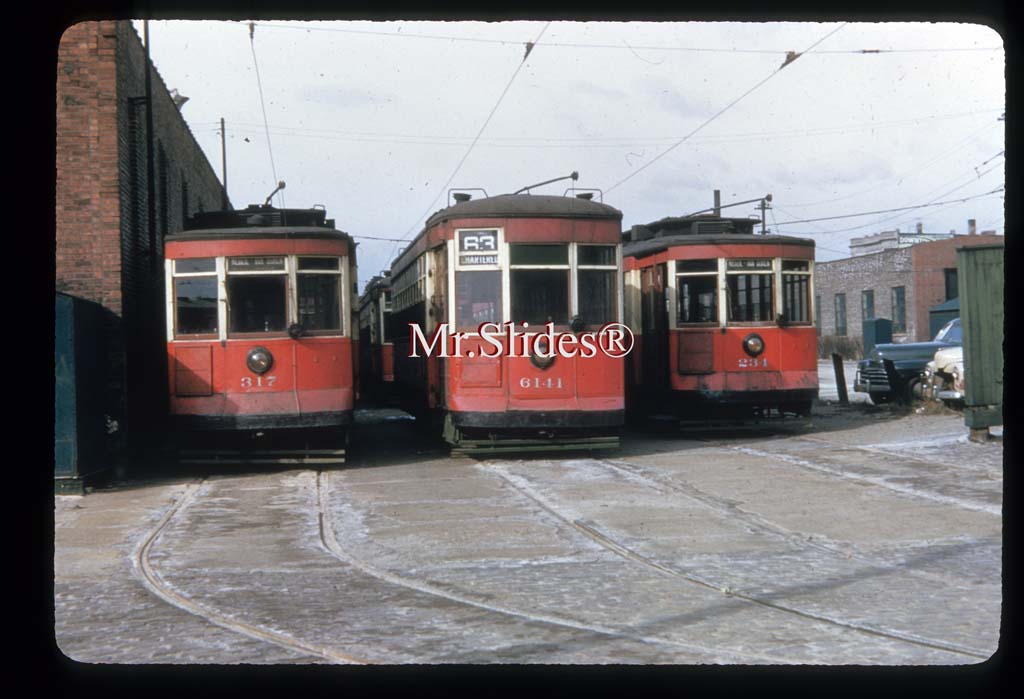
{"x":630,"y":47}
{"x":529,"y":48}
{"x":586,"y":142}
{"x":885,"y":211}
{"x":902,"y":174}
{"x":792,"y":56}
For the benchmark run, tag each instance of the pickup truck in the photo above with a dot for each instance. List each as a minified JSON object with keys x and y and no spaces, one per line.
{"x":910,"y":361}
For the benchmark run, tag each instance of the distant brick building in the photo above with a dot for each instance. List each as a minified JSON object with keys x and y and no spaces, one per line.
{"x":107,"y":251}
{"x":900,"y":284}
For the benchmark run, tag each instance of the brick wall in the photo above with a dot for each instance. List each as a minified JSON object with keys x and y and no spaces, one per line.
{"x":920,"y":269}
{"x":930,"y":260}
{"x":105,"y":249}
{"x":880,"y":272}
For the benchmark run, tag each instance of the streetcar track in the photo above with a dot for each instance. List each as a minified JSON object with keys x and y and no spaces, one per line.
{"x":624,"y":551}
{"x":330,"y":543}
{"x":871,"y":480}
{"x":155,"y":583}
{"x":757,"y":522}
{"x":901,"y":454}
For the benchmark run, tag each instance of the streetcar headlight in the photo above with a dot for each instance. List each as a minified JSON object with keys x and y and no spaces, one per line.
{"x":259,"y":360}
{"x":540,"y":349}
{"x":753,"y":344}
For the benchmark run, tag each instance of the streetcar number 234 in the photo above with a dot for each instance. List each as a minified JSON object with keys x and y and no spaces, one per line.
{"x":249,"y":381}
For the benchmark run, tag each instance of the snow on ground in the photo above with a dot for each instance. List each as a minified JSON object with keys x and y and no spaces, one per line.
{"x":828,"y":389}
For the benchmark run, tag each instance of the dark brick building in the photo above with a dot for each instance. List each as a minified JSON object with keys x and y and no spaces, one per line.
{"x":900,"y":284}
{"x":115,"y":204}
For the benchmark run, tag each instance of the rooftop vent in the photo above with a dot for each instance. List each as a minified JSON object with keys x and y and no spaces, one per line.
{"x":178,"y":98}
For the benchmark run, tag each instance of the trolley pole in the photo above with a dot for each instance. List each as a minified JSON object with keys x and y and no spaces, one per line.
{"x":223,"y":166}
{"x":764,"y":206}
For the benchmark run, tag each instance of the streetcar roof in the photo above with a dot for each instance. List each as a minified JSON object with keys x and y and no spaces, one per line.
{"x":663,"y":242}
{"x":526,"y":206}
{"x":258,"y":222}
{"x":513,"y":206}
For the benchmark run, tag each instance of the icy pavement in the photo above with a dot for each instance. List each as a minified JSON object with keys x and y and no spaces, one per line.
{"x":868,"y":540}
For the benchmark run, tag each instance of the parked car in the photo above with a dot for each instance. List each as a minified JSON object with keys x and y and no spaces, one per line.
{"x":909,"y":360}
{"x":945,"y":375}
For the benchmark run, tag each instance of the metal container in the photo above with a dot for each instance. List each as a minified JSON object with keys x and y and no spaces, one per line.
{"x":79,"y":422}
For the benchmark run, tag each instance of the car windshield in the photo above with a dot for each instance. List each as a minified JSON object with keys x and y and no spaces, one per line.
{"x":950,"y":333}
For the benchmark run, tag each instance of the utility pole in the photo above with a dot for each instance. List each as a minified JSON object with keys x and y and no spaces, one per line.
{"x":223,"y":166}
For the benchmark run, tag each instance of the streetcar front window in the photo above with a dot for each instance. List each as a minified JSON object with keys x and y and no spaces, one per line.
{"x":750,"y":297}
{"x":256,"y":303}
{"x":697,"y":291}
{"x":597,"y":284}
{"x":196,"y":305}
{"x":796,"y":291}
{"x":698,"y":299}
{"x":319,"y":307}
{"x":539,"y":283}
{"x":319,"y":297}
{"x":477,"y":298}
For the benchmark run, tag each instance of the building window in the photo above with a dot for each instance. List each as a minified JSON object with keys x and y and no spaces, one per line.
{"x":899,"y":309}
{"x":952,"y":291}
{"x":867,"y":304}
{"x":840,"y":314}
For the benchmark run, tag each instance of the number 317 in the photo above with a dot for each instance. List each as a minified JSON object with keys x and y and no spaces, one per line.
{"x":247,"y":381}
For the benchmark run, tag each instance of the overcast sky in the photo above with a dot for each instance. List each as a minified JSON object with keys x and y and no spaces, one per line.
{"x":372,"y":119}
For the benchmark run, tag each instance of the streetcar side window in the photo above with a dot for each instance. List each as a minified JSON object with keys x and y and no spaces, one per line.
{"x":696,"y":291}
{"x":319,"y":293}
{"x":257,"y":299}
{"x":539,"y":283}
{"x":596,"y":283}
{"x":796,"y":291}
{"x":195,"y":296}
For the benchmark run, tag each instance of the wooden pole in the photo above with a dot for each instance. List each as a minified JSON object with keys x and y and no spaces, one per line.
{"x":837,"y":364}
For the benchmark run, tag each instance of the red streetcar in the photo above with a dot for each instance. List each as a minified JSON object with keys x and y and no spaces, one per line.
{"x":505,"y":261}
{"x":259,"y":316}
{"x":724,"y":319}
{"x":376,"y":349}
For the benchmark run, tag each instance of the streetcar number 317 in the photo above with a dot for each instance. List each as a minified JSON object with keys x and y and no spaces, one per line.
{"x":249,"y":381}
